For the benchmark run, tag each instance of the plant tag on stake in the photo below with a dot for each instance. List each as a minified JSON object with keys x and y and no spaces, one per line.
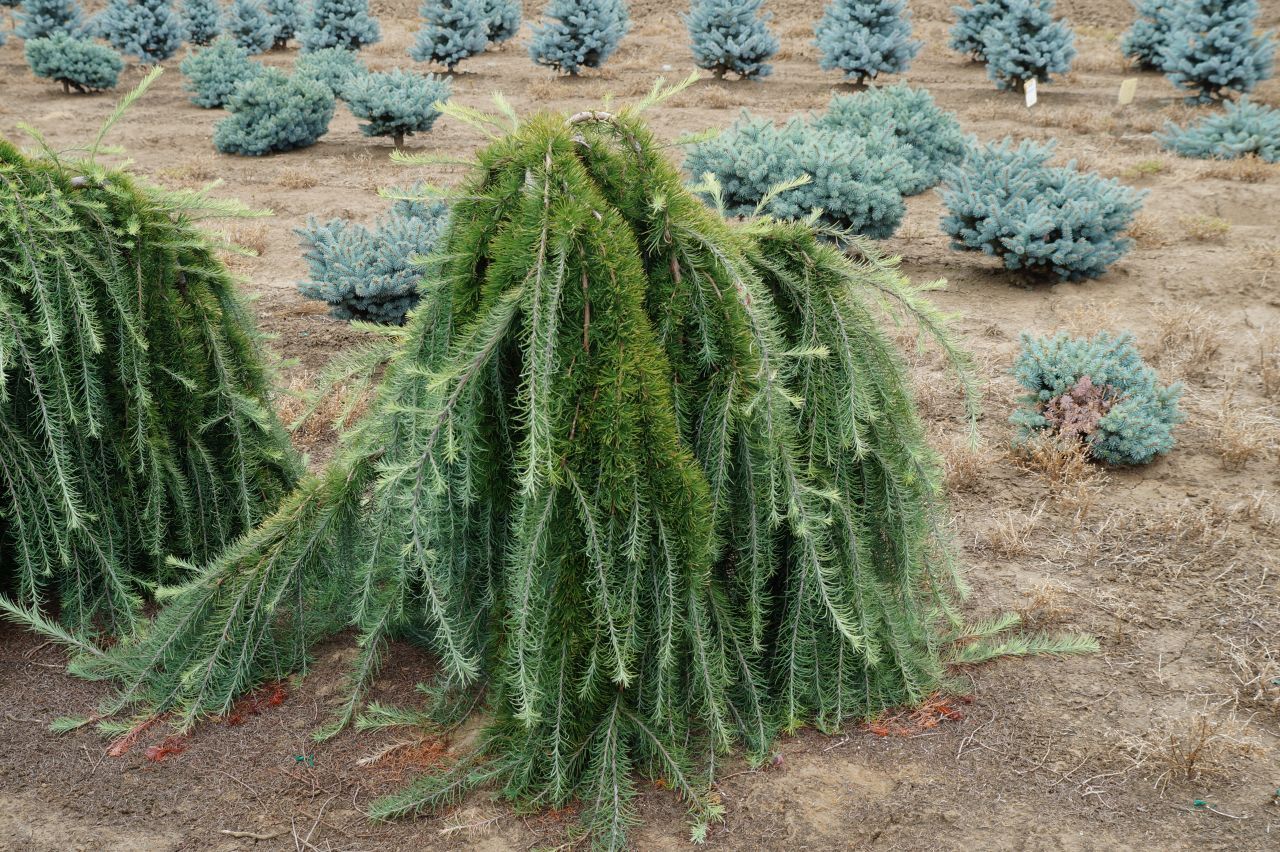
{"x":1030,"y":88}
{"x":1128,"y":89}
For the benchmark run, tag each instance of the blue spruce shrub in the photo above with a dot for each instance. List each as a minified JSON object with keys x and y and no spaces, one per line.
{"x":339,"y":23}
{"x":504,"y":18}
{"x":1026,"y":43}
{"x":731,"y":37}
{"x":41,"y":18}
{"x":1145,"y":41}
{"x":77,"y":64}
{"x":1243,"y":129}
{"x":1098,"y":391}
{"x":1005,"y":201}
{"x":286,"y":20}
{"x":213,"y":73}
{"x":854,"y":181}
{"x":453,"y":30}
{"x":200,"y":21}
{"x":274,"y":112}
{"x":929,"y":136}
{"x":368,"y":273}
{"x":332,"y":66}
{"x":147,"y":29}
{"x":580,"y":34}
{"x":864,"y":38}
{"x":1214,"y":50}
{"x":971,"y":22}
{"x":396,"y":103}
{"x":248,"y":23}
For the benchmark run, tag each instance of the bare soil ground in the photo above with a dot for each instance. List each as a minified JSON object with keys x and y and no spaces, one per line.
{"x":1167,"y":739}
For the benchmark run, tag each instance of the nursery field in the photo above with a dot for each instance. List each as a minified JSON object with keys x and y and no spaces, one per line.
{"x":1169,"y":738}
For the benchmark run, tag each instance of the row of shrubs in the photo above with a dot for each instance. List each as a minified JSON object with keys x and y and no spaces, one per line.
{"x":851,"y":167}
{"x":272,"y":111}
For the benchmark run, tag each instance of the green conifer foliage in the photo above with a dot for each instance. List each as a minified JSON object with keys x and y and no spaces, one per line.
{"x":135,"y":410}
{"x":201,"y":21}
{"x":339,"y":23}
{"x":42,"y":18}
{"x":84,"y":66}
{"x":649,"y":484}
{"x":971,"y":22}
{"x":1026,"y":43}
{"x":248,"y":23}
{"x":452,"y":30}
{"x":396,"y":103}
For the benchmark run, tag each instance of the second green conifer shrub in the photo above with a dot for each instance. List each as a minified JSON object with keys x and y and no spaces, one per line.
{"x":504,"y":18}
{"x":1244,"y":128}
{"x":971,"y":22}
{"x":43,"y":18}
{"x":1214,"y":52}
{"x":148,"y":29}
{"x":396,"y":103}
{"x":286,"y":19}
{"x":1097,"y":391}
{"x":272,"y":112}
{"x":213,"y":73}
{"x":1144,"y":43}
{"x":83,"y":66}
{"x":1004,"y":200}
{"x":201,"y":21}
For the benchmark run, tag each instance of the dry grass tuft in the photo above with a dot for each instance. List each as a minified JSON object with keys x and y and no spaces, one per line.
{"x":294,"y":178}
{"x":1149,"y":231}
{"x":1074,"y":482}
{"x":1189,"y":340}
{"x":1047,"y":606}
{"x":964,"y":464}
{"x":1083,"y":317}
{"x":198,"y":170}
{"x":1206,"y":228}
{"x":1268,"y":343}
{"x":1147,"y":168}
{"x":1204,"y":747}
{"x":1011,"y":535}
{"x":1239,"y":437}
{"x":1251,"y":169}
{"x":250,"y":235}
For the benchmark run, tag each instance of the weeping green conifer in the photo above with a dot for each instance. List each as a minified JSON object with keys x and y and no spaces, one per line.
{"x":135,"y":416}
{"x":649,"y":484}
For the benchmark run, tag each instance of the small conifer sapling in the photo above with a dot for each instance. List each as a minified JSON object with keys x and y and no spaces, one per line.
{"x":213,"y":73}
{"x":1214,"y":51}
{"x":731,"y":37}
{"x":504,"y":18}
{"x":971,"y":22}
{"x":247,"y":22}
{"x":1026,"y":43}
{"x":79,"y":65}
{"x":148,"y":29}
{"x":396,"y":103}
{"x":286,"y":19}
{"x":452,"y":31}
{"x":274,"y":112}
{"x":1244,"y":128}
{"x":1145,"y":41}
{"x":577,"y":34}
{"x":41,"y":18}
{"x":201,"y":21}
{"x":339,"y":23}
{"x":865,"y":38}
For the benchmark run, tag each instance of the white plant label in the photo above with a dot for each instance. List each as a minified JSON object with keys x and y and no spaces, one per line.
{"x":1030,"y":88}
